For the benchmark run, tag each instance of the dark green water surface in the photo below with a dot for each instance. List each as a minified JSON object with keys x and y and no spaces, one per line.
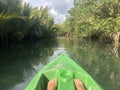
{"x":18,"y":64}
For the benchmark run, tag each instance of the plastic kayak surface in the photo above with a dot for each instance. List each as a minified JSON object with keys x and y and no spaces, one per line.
{"x":65,"y":70}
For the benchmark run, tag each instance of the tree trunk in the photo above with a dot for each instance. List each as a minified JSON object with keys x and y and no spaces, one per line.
{"x":116,"y":43}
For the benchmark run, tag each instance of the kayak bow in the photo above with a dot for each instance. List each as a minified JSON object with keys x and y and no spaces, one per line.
{"x":65,"y":70}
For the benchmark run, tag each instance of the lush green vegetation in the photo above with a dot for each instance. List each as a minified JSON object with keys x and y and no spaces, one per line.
{"x":19,"y":21}
{"x":93,"y":19}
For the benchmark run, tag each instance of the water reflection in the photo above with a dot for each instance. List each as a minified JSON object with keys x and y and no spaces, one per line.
{"x":97,"y":59}
{"x":17,"y":63}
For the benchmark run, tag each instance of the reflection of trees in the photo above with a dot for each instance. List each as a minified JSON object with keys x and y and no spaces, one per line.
{"x":16,"y":63}
{"x":97,"y":60}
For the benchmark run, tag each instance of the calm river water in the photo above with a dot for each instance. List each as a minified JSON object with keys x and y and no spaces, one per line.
{"x":18,"y":64}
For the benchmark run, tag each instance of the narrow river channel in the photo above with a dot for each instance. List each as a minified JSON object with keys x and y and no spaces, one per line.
{"x":18,"y":64}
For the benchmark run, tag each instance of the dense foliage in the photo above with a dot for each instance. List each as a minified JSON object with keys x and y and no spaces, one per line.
{"x":20,"y":21}
{"x":98,"y":19}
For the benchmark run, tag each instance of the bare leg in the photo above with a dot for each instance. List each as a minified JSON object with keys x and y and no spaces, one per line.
{"x":52,"y":84}
{"x":78,"y":84}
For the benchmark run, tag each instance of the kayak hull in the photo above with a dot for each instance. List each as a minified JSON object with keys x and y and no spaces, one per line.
{"x":65,"y":70}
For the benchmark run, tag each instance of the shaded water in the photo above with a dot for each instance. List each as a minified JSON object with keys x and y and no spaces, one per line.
{"x":19,"y":64}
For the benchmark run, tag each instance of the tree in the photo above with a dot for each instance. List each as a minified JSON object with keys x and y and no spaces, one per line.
{"x":94,"y":18}
{"x":22,"y":22}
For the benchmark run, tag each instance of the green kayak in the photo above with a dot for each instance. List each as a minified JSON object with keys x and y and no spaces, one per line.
{"x":65,"y":70}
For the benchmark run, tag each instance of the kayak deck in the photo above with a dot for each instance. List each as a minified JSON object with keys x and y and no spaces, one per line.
{"x":65,"y":70}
